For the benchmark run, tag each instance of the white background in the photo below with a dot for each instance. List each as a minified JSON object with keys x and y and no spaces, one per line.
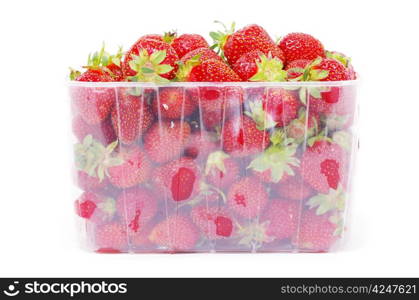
{"x":41,"y":39}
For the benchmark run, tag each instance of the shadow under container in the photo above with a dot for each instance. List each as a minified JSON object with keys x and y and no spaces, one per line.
{"x":213,"y":167}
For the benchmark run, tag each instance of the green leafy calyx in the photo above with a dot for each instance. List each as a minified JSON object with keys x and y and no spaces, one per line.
{"x":220,"y":37}
{"x":279,"y":158}
{"x":149,"y":67}
{"x":269,"y":69}
{"x":324,"y":203}
{"x":257,"y":113}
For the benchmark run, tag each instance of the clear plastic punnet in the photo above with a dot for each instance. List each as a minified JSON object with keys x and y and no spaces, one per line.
{"x":213,"y":167}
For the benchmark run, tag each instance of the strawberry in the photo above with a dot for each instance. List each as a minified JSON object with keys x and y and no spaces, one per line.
{"x":174,"y":103}
{"x":165,"y":140}
{"x":186,"y":43}
{"x":295,"y":67}
{"x":293,"y":189}
{"x":134,"y":169}
{"x":241,"y":137}
{"x":301,"y":46}
{"x":324,"y":166}
{"x":323,"y":69}
{"x":131,"y":117}
{"x":258,"y":66}
{"x":335,"y":105}
{"x":101,"y":66}
{"x":137,"y":206}
{"x":218,"y":104}
{"x":221,"y":170}
{"x":282,"y":218}
{"x":226,"y":100}
{"x":124,"y":168}
{"x":203,"y":54}
{"x":236,"y":43}
{"x":276,"y":162}
{"x":150,"y":60}
{"x":102,"y":132}
{"x":92,"y":76}
{"x":110,"y":238}
{"x":214,"y":222}
{"x":176,"y":233}
{"x":93,"y":103}
{"x":247,"y":197}
{"x":200,"y":145}
{"x":316,"y":233}
{"x":346,"y":61}
{"x":280,"y":105}
{"x":95,"y":208}
{"x":335,"y":69}
{"x":211,"y":70}
{"x":178,"y":180}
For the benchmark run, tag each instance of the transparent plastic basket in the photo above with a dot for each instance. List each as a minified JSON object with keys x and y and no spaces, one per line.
{"x":213,"y":167}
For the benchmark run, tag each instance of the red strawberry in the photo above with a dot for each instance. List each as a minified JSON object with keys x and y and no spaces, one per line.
{"x":221,"y":99}
{"x":241,"y":137}
{"x":204,"y":54}
{"x":110,"y":238}
{"x":247,"y":197}
{"x":174,"y":103}
{"x":95,"y":208}
{"x":324,"y":69}
{"x":219,"y":104}
{"x":296,"y":68}
{"x":102,"y":132}
{"x":179,"y":179}
{"x":176,"y":233}
{"x":336,"y":71}
{"x":250,"y":38}
{"x":131,"y":117}
{"x":258,"y":66}
{"x":346,"y":61}
{"x":186,"y":43}
{"x":335,"y":105}
{"x":137,"y":206}
{"x":301,"y":46}
{"x":214,"y":222}
{"x":316,"y":233}
{"x":221,"y":170}
{"x":294,"y":189}
{"x":88,"y":182}
{"x":200,"y":145}
{"x":92,"y":75}
{"x":280,"y":105}
{"x":101,"y":66}
{"x":92,"y":103}
{"x":150,"y":60}
{"x":211,"y":70}
{"x":134,"y":169}
{"x":282,"y":218}
{"x":165,"y":140}
{"x":324,"y":166}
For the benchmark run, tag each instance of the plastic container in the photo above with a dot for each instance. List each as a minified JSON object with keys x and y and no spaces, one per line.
{"x":213,"y":167}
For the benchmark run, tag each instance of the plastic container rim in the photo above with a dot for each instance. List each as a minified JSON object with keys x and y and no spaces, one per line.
{"x":218,"y":84}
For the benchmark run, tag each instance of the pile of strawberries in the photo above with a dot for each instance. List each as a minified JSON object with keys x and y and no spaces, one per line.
{"x":214,"y":166}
